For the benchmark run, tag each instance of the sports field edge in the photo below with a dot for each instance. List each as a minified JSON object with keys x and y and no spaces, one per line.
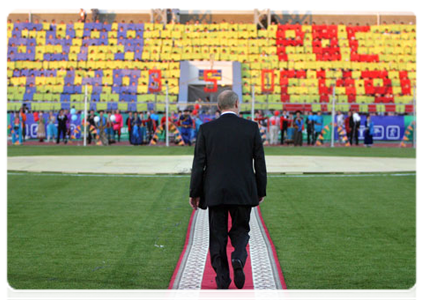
{"x":46,"y":150}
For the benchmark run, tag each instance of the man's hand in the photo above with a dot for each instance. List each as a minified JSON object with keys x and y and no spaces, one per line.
{"x":261,"y":200}
{"x":194,"y":202}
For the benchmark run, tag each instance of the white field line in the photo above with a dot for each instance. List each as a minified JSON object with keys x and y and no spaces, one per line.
{"x":187,"y":176}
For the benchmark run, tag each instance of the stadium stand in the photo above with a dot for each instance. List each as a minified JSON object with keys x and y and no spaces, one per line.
{"x":372,"y":68}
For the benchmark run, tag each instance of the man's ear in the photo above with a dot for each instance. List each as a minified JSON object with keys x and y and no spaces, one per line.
{"x":236,"y":104}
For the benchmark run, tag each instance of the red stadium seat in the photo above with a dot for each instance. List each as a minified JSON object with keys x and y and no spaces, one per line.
{"x":355,"y":107}
{"x":293,"y":107}
{"x":324,"y":107}
{"x":324,"y":98}
{"x":409,"y":108}
{"x":372,"y":108}
{"x":284,"y":97}
{"x":321,"y":74}
{"x":390,"y":107}
{"x":403,"y":75}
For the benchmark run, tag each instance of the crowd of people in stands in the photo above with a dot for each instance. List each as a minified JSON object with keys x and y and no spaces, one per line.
{"x":281,"y":127}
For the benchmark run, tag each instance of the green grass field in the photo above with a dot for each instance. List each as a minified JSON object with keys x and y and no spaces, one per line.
{"x":159,"y":150}
{"x":70,"y":232}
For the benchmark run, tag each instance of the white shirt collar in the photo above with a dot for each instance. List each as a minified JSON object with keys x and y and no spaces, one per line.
{"x":228,"y":112}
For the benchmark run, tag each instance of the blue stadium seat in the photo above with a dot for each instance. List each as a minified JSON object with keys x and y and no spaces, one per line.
{"x":65,"y":105}
{"x":77,"y":89}
{"x":132,"y":106}
{"x":130,"y":48}
{"x":124,"y":97}
{"x":95,"y":97}
{"x":47,"y":56}
{"x":89,"y":26}
{"x":107,"y":27}
{"x":132,"y":98}
{"x":30,"y":80}
{"x":116,"y":89}
{"x":132,"y":89}
{"x":97,"y":90}
{"x":112,"y":106}
{"x":139,"y":27}
{"x":82,"y":56}
{"x":50,"y":34}
{"x":31,"y":41}
{"x":68,"y":89}
{"x":28,"y":96}
{"x":65,"y":97}
{"x":31,"y":90}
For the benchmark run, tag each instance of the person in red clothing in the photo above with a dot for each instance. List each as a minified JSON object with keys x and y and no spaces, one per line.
{"x":117,"y":124}
{"x":348,"y":127}
{"x":163,"y":122}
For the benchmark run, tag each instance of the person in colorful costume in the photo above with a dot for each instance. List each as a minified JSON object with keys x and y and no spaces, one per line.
{"x":186,"y":127}
{"x":101,"y":129}
{"x":16,"y":129}
{"x":368,"y":131}
{"x":137,"y":137}
{"x":51,"y":127}
{"x":41,"y":130}
{"x":318,"y":126}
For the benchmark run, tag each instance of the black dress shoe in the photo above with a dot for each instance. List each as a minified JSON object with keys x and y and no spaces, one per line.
{"x":239,"y":276}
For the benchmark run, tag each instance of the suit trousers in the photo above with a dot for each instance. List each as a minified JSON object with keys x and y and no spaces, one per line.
{"x":218,"y":226}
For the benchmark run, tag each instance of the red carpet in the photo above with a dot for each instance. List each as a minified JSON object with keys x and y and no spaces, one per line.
{"x":194,"y":271}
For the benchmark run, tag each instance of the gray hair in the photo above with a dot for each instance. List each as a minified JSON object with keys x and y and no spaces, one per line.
{"x":227,"y":99}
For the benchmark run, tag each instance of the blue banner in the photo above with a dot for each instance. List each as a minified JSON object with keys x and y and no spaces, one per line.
{"x":31,"y":126}
{"x":386,"y":128}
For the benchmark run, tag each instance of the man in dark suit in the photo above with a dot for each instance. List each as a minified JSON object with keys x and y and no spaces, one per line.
{"x":224,"y":180}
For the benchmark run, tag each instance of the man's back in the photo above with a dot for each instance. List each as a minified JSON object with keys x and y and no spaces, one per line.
{"x":226,"y":151}
{"x":223,"y":179}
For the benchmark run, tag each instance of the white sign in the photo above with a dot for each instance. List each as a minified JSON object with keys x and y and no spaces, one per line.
{"x":392,"y":132}
{"x":224,"y":66}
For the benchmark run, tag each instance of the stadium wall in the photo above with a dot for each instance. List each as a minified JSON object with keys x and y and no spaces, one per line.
{"x":109,"y":17}
{"x":210,"y":16}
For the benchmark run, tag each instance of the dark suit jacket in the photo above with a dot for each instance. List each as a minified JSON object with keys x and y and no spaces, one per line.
{"x":222,"y":171}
